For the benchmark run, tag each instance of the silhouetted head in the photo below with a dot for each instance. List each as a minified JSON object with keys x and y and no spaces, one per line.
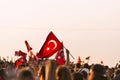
{"x":77,"y":76}
{"x":97,"y":72}
{"x":25,"y":75}
{"x":63,"y":73}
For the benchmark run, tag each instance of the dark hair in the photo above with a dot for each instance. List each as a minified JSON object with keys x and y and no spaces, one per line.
{"x":78,"y":65}
{"x":63,"y":73}
{"x":25,"y":75}
{"x":117,"y":77}
{"x":86,"y":66}
{"x":99,"y":72}
{"x":3,"y":76}
{"x":84,"y":74}
{"x":117,"y":71}
{"x":77,"y":76}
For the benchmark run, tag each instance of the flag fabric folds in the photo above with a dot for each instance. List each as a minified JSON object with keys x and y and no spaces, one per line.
{"x":20,"y":53}
{"x":28,"y":46}
{"x":60,"y":56}
{"x":50,"y":46}
{"x":19,"y":61}
{"x":17,"y":53}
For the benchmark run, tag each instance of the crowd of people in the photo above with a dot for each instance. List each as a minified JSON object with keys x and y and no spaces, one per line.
{"x":47,"y":69}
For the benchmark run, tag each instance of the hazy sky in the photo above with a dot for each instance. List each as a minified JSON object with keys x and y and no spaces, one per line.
{"x":87,"y":27}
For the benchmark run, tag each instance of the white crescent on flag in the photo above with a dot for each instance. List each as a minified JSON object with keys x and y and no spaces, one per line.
{"x":55,"y":44}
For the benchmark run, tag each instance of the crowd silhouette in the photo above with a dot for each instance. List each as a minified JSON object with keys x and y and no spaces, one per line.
{"x":40,"y":67}
{"x":49,"y":69}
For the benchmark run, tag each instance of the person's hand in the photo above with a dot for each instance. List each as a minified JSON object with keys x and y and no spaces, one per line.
{"x":67,"y":51}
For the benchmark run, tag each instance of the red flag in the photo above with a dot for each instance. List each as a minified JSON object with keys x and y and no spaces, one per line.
{"x":60,"y":56}
{"x":17,"y":53}
{"x":50,"y":46}
{"x":87,"y":58}
{"x":28,"y":46}
{"x":79,"y":60}
{"x":20,"y":53}
{"x":19,"y":61}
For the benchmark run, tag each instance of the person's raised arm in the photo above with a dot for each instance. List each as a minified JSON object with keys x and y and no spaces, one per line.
{"x":50,"y":67}
{"x":67,"y":58}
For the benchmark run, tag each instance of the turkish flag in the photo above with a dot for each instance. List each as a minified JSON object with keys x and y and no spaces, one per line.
{"x":50,"y":46}
{"x":79,"y":60}
{"x":20,"y":53}
{"x":60,"y":56}
{"x":28,"y":46}
{"x":87,"y":58}
{"x":19,"y":61}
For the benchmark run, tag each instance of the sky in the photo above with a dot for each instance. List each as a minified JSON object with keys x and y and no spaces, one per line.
{"x":86,"y":27}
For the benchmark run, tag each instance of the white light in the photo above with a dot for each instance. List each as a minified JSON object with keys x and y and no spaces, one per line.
{"x":48,"y":49}
{"x":59,"y":57}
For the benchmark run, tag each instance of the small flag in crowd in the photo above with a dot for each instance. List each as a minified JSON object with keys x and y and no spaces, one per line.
{"x":28,"y":46}
{"x":17,"y":53}
{"x":19,"y":61}
{"x":87,"y":58}
{"x":79,"y":60}
{"x":20,"y":53}
{"x":60,"y":56}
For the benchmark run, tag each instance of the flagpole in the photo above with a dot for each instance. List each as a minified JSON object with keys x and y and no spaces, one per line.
{"x":70,"y":53}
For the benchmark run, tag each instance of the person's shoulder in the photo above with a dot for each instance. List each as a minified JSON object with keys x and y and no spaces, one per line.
{"x":117,"y":77}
